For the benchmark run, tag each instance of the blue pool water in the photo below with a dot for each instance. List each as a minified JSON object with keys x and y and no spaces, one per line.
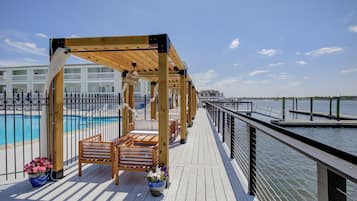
{"x":24,"y":131}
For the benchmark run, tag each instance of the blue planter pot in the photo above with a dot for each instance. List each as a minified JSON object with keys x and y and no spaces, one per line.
{"x":157,"y":188}
{"x":39,"y":181}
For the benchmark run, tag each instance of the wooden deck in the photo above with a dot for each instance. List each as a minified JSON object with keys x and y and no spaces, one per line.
{"x":199,"y":170}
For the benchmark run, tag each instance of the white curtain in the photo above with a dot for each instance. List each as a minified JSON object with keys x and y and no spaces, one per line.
{"x":57,"y":62}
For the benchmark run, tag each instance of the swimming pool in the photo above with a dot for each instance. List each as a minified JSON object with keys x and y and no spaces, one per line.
{"x":27,"y":127}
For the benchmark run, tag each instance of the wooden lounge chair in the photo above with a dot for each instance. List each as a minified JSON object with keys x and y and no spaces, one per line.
{"x":150,"y":127}
{"x":132,"y":155}
{"x":94,"y":150}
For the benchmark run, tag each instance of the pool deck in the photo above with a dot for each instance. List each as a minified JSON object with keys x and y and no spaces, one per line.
{"x":199,"y":170}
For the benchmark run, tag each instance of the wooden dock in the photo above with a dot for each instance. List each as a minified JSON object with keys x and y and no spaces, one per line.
{"x":198,"y":171}
{"x":322,"y":114}
{"x":316,"y":123}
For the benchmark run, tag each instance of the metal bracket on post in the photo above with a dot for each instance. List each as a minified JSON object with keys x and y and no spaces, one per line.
{"x":252,"y":159}
{"x":162,"y":41}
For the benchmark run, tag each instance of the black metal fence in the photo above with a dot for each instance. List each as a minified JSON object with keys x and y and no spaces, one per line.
{"x":278,"y":164}
{"x":85,"y":115}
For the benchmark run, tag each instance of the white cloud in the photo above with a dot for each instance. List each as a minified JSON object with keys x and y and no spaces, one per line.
{"x":350,"y":70}
{"x":301,"y":62}
{"x":306,"y":77}
{"x":26,"y":47}
{"x":74,"y":36}
{"x":276,"y":64}
{"x":204,"y":80}
{"x":235,"y":43}
{"x":324,"y":50}
{"x":268,"y":52}
{"x":283,"y":76}
{"x":353,"y":28}
{"x":18,"y":62}
{"x":257,"y":72}
{"x":41,"y":35}
{"x":235,"y":65}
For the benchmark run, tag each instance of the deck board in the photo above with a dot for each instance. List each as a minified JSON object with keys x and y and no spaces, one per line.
{"x":197,"y":172}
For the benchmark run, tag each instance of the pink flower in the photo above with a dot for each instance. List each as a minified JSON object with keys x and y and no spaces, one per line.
{"x":35,"y":169}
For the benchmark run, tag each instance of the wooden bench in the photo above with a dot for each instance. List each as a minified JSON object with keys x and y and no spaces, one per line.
{"x":151,"y":127}
{"x":132,"y":155}
{"x":94,"y":150}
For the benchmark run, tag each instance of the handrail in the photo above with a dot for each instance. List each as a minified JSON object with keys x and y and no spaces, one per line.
{"x":342,"y":163}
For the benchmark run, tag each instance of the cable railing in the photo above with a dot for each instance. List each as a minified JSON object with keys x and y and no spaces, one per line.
{"x":278,"y":164}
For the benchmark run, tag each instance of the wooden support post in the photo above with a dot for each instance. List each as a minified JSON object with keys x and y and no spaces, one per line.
{"x":311,"y":108}
{"x":125,"y":119}
{"x":176,"y":99}
{"x":55,"y":124}
{"x":131,"y":104}
{"x":189,"y":92}
{"x":153,"y":103}
{"x":163,"y":109}
{"x":183,"y":105}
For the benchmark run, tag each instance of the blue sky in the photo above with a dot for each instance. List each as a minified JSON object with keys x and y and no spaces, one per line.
{"x":244,"y":48}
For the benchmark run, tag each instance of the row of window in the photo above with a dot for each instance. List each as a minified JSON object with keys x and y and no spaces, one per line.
{"x":68,"y":87}
{"x":66,"y":70}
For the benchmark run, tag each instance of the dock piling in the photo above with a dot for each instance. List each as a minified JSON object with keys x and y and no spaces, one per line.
{"x":311,"y":108}
{"x":283,"y":108}
{"x":338,"y":108}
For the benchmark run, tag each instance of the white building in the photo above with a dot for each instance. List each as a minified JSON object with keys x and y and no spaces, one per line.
{"x":83,"y":78}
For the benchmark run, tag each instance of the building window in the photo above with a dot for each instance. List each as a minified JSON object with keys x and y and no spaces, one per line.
{"x":2,"y":73}
{"x":72,"y":87}
{"x":101,"y":87}
{"x":72,"y":70}
{"x":100,"y":70}
{"x":2,"y":88}
{"x":18,"y":88}
{"x":38,"y":88}
{"x":39,"y":71}
{"x":19,"y":72}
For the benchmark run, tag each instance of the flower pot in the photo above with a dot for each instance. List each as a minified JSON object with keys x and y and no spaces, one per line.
{"x":156,"y":188}
{"x":39,"y":180}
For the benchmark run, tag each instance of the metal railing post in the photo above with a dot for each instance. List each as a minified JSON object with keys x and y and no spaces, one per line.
{"x":219,"y":118}
{"x":330,"y":186}
{"x":252,"y":161}
{"x":232,"y":136}
{"x":223,"y":125}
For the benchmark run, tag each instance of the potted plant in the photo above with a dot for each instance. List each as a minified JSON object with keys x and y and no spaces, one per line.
{"x":38,"y":171}
{"x":157,"y":180}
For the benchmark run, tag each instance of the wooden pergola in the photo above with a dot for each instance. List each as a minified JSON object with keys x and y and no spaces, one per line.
{"x":152,"y":57}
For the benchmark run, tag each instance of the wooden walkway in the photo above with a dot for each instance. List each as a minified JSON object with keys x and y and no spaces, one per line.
{"x":198,"y":171}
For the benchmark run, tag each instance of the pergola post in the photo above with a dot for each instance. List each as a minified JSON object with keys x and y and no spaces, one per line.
{"x":189,"y":120}
{"x":183,"y":105}
{"x":55,"y":124}
{"x":55,"y":117}
{"x":164,"y":45}
{"x":194,"y":102}
{"x":131,"y":104}
{"x":176,"y":98}
{"x":153,"y":103}
{"x":125,"y":116}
